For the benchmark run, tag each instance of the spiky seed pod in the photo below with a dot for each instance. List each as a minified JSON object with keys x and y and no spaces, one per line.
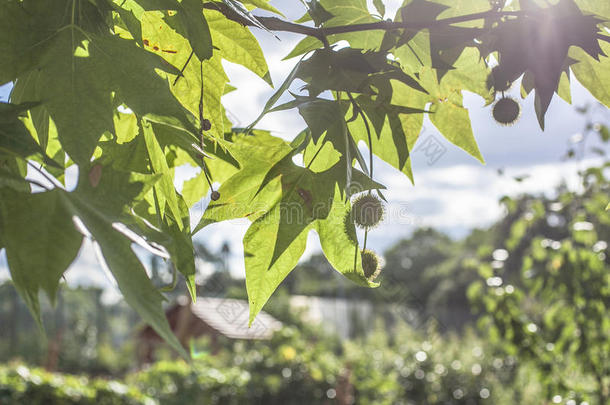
{"x":215,"y":195}
{"x":367,"y":211}
{"x":497,"y":80}
{"x":506,"y":111}
{"x":349,"y":228}
{"x":370,"y":264}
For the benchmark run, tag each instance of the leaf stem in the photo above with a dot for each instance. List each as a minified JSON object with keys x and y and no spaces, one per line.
{"x":184,"y":67}
{"x":204,"y":167}
{"x":368,"y":133}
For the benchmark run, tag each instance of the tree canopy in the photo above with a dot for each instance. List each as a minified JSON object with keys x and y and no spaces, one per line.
{"x":129,"y":90}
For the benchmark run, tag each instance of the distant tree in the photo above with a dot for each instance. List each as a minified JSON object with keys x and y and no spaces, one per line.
{"x":545,"y":286}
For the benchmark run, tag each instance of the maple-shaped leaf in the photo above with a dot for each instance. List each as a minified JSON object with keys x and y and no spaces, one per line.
{"x":351,"y":70}
{"x":309,"y":200}
{"x":538,"y":43}
{"x":316,"y":13}
{"x":341,"y":13}
{"x":438,"y":45}
{"x":285,"y":201}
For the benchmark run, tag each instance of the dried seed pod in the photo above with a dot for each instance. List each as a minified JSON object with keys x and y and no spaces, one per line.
{"x":215,"y":195}
{"x":506,"y":111}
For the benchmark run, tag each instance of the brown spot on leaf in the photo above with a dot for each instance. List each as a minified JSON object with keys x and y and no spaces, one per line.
{"x":95,"y":175}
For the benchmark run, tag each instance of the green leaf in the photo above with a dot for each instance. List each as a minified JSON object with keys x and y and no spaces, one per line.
{"x":39,"y":253}
{"x":315,"y":13}
{"x":349,"y":12}
{"x":307,"y":44}
{"x":601,"y":8}
{"x":196,"y":188}
{"x":180,"y":246}
{"x":80,"y":74}
{"x":131,"y":72}
{"x":453,"y":122}
{"x":339,"y":243}
{"x":448,"y":114}
{"x":379,"y":6}
{"x":130,"y":21}
{"x":206,"y":77}
{"x":240,"y":195}
{"x":75,"y":94}
{"x":39,"y":124}
{"x":263,"y":5}
{"x":165,"y":187}
{"x":237,"y":8}
{"x":394,"y":133}
{"x":103,"y":204}
{"x":27,"y":29}
{"x":196,"y":27}
{"x":262,"y":278}
{"x":237,"y":44}
{"x":593,"y":75}
{"x":343,"y":12}
{"x":351,"y":70}
{"x":14,"y":137}
{"x":309,"y":201}
{"x":130,"y":275}
{"x":457,"y":8}
{"x":12,"y":180}
{"x":563,"y":89}
{"x":175,"y":221}
{"x":276,"y":96}
{"x":306,"y":198}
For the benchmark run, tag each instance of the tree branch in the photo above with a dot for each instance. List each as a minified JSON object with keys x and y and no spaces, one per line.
{"x":271,"y":23}
{"x":277,"y":24}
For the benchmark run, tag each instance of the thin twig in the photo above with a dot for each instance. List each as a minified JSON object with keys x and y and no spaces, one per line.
{"x":51,"y":179}
{"x":37,"y":183}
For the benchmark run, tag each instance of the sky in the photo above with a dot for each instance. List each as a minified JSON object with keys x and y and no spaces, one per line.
{"x":455,"y":193}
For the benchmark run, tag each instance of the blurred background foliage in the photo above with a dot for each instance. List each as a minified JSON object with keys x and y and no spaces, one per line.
{"x":514,"y":313}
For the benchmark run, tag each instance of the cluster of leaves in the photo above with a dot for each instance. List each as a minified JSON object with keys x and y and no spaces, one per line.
{"x":127,"y":91}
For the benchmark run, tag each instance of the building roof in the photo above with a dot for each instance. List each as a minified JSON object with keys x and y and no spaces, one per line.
{"x":229,"y":317}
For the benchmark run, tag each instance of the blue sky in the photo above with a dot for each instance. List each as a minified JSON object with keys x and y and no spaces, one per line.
{"x":454,"y":194}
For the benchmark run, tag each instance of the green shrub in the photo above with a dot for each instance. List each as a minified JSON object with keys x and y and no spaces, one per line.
{"x":198,"y":383}
{"x":22,"y":385}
